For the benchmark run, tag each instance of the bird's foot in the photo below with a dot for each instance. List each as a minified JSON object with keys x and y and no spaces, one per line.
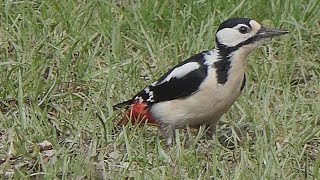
{"x":211,"y":130}
{"x":168,"y":133}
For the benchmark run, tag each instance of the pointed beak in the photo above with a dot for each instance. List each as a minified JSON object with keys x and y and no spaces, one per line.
{"x":269,"y":33}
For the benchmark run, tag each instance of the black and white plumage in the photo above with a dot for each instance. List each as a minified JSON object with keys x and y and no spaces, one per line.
{"x":181,"y":81}
{"x":199,"y":90}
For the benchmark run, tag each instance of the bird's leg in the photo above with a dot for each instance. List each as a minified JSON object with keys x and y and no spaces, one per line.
{"x":211,"y":130}
{"x":168,"y":133}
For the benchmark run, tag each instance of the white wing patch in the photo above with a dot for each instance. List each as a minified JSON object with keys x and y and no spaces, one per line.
{"x":181,"y":71}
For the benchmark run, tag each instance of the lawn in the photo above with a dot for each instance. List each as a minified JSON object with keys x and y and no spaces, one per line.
{"x":63,"y":64}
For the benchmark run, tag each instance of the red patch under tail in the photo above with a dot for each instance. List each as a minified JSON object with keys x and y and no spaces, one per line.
{"x":138,"y":113}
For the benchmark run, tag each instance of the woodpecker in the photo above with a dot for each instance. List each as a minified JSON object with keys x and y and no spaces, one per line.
{"x":200,"y":89}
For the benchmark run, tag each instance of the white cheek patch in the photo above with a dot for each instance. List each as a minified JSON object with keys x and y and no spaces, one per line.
{"x":231,"y":37}
{"x":182,"y":71}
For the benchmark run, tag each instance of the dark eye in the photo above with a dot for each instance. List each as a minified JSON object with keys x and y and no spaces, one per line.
{"x":243,"y":30}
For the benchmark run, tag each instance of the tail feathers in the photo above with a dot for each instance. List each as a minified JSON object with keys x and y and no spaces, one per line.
{"x":120,"y":105}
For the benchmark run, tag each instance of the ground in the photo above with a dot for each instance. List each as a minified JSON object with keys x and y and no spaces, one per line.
{"x":63,"y":64}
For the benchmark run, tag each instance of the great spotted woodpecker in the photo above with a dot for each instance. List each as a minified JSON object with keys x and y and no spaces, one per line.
{"x":199,"y":90}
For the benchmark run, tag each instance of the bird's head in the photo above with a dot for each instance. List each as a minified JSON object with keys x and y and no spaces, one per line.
{"x":243,"y":33}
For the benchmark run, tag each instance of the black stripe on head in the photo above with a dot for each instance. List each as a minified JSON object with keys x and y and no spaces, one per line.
{"x":223,"y":66}
{"x":232,"y":22}
{"x":250,"y":40}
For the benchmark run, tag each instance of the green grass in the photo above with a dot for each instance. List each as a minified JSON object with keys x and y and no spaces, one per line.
{"x":62,"y":63}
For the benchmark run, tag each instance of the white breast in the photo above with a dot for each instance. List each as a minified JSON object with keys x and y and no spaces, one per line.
{"x":205,"y":106}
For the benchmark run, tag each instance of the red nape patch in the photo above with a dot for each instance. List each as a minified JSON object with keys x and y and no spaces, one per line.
{"x":138,"y":114}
